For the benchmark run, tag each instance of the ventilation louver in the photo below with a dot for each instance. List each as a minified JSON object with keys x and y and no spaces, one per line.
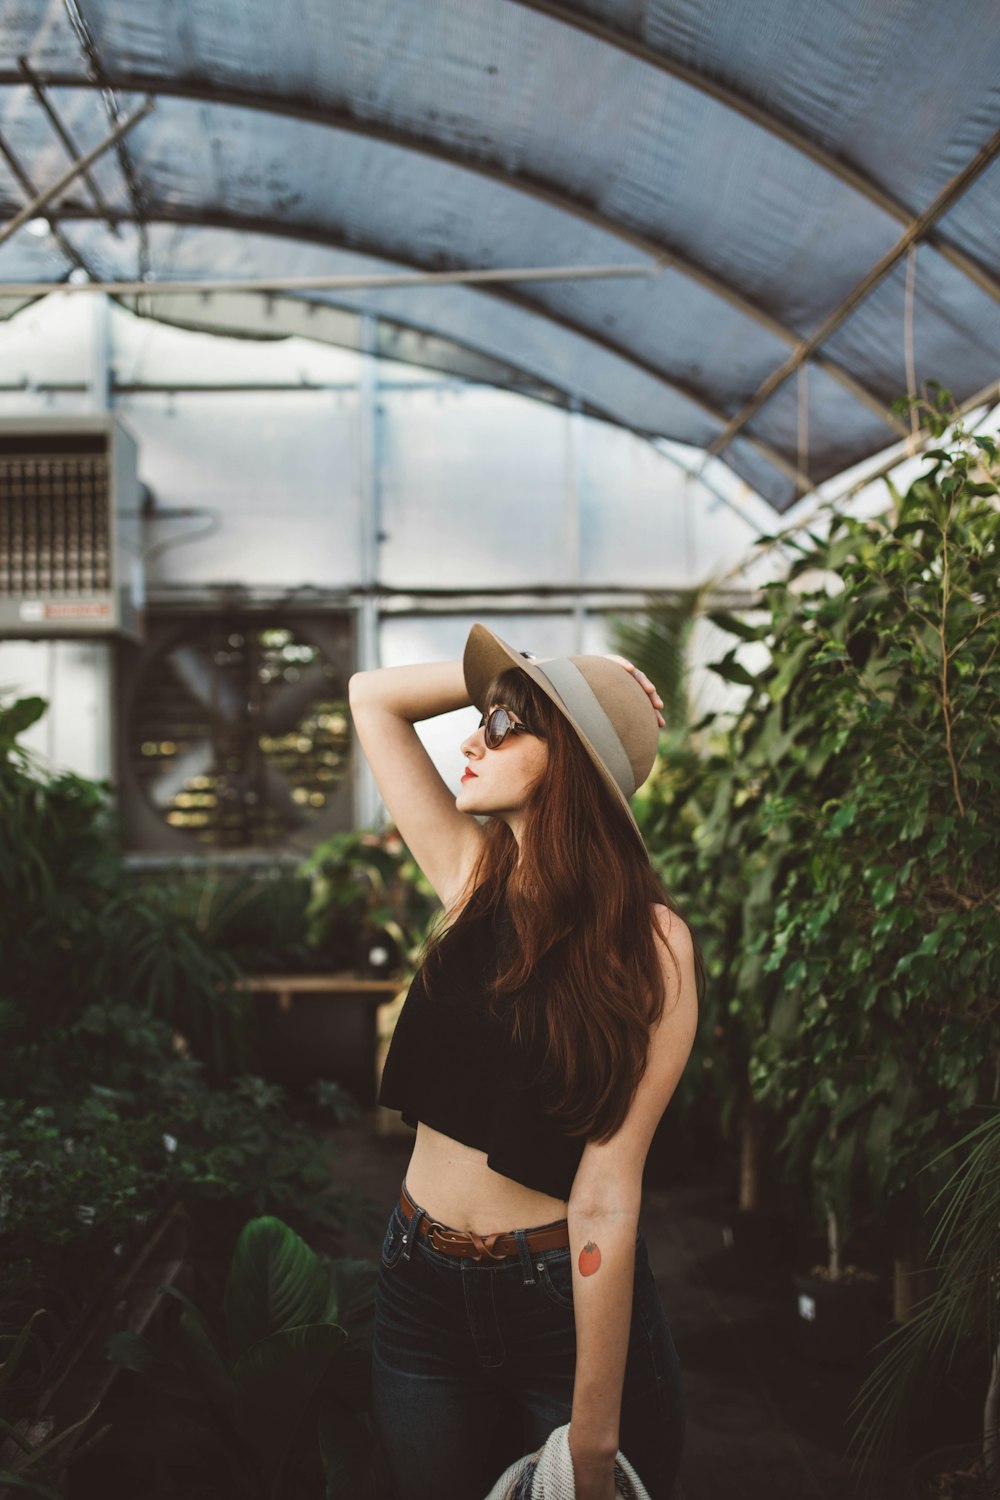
{"x":69,"y":529}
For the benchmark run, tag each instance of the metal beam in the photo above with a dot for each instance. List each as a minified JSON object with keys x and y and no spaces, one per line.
{"x":487,"y":370}
{"x":464,"y":277}
{"x":471,"y":277}
{"x":244,"y":223}
{"x":96,"y":71}
{"x":898,"y":455}
{"x":367,"y":633}
{"x":233,"y":96}
{"x":730,"y":99}
{"x":31,"y":210}
{"x":67,"y":247}
{"x":72,"y":149}
{"x":303,"y":109}
{"x":413,"y":599}
{"x":939,"y":205}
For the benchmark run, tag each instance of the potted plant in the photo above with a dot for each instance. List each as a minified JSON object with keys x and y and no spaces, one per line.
{"x":884,"y":933}
{"x":847,"y":863}
{"x":961,"y":1314}
{"x":837,"y":1320}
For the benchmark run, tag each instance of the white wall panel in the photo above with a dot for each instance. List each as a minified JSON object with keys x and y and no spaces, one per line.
{"x":279,"y":470}
{"x":632,"y":511}
{"x":473,"y":489}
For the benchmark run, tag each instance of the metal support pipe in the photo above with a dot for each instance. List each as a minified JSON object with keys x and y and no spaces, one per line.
{"x":331,"y":283}
{"x":100,"y":354}
{"x":32,"y":209}
{"x":914,"y":232}
{"x":367,"y":801}
{"x":68,"y":142}
{"x":65,"y":244}
{"x":574,"y":537}
{"x":501,"y":293}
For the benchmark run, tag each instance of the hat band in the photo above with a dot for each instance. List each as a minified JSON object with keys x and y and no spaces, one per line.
{"x":579,"y":697}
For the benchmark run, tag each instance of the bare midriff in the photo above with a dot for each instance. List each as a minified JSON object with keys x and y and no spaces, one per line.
{"x":456,"y":1187}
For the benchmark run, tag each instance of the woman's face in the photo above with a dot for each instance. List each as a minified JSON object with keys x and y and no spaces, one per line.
{"x":500,"y":779}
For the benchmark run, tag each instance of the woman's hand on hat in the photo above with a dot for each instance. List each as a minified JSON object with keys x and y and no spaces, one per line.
{"x":644,"y":683}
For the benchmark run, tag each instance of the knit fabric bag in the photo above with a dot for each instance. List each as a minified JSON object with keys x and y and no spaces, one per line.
{"x":548,"y":1475}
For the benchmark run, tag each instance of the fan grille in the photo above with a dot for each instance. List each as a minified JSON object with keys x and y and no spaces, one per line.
{"x":240,"y":733}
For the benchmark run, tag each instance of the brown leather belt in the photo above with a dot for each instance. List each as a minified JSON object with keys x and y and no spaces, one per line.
{"x":494,"y":1246}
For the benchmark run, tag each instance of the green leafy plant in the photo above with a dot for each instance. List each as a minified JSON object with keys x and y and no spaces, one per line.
{"x":75,"y":928}
{"x":368,"y":884}
{"x":256,"y":916}
{"x":33,"y":1455}
{"x":64,"y":1169}
{"x":886,"y":924}
{"x":835,"y":841}
{"x":690,"y":816}
{"x":273,"y":1399}
{"x":963,"y":1310}
{"x":657,"y":641}
{"x":82,"y":1162}
{"x":122,"y":1071}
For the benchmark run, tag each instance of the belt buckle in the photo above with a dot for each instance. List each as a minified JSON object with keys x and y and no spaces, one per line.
{"x":453,"y":1237}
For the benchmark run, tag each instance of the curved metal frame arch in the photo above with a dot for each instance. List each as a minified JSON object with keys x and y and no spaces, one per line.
{"x":946,"y":197}
{"x":730,"y":99}
{"x":234,"y":97}
{"x":207,"y":220}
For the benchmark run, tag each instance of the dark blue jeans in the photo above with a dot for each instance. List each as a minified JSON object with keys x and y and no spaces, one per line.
{"x":473,"y":1365}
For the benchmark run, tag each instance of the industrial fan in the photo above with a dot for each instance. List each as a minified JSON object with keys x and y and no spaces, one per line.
{"x":238,"y":734}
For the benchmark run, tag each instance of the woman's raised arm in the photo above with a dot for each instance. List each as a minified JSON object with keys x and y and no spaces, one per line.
{"x":385,"y":705}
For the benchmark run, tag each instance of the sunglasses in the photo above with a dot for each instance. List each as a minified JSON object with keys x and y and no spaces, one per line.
{"x":498,"y":725}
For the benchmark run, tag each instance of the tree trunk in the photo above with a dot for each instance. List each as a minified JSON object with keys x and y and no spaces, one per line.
{"x":749,"y":1157}
{"x":833,"y":1245}
{"x":991,"y":1427}
{"x":911,"y":1279}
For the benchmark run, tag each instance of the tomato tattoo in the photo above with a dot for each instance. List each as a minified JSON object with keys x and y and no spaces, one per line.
{"x":590,"y":1259}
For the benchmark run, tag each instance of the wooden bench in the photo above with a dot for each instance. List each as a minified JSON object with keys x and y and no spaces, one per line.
{"x":313,"y":1026}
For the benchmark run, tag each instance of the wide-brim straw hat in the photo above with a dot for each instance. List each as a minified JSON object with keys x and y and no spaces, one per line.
{"x":611,"y":714}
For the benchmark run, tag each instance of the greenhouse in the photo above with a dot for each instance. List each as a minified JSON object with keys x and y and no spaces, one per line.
{"x":470,"y":471}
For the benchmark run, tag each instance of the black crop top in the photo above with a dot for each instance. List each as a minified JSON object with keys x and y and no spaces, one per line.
{"x":451,"y":1065}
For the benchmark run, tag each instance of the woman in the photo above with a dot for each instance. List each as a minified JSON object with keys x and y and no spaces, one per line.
{"x":538,"y":1046}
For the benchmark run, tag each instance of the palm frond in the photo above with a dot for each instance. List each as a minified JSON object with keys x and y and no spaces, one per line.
{"x":965,"y":1304}
{"x":657,"y":643}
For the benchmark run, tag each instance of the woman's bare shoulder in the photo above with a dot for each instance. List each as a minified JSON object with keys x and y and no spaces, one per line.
{"x":672,"y":929}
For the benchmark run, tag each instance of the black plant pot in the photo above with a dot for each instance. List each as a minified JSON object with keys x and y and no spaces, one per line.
{"x":837,"y":1321}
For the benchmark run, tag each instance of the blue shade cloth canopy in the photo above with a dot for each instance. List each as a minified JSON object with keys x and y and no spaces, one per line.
{"x":816,"y":188}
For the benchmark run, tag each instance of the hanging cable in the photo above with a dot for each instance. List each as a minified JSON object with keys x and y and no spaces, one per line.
{"x":802,"y":391}
{"x":911,"y":369}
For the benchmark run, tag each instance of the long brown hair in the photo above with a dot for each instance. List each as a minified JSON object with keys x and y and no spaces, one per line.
{"x":583,"y":985}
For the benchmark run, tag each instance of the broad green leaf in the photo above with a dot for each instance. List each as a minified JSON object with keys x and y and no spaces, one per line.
{"x":275,"y":1281}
